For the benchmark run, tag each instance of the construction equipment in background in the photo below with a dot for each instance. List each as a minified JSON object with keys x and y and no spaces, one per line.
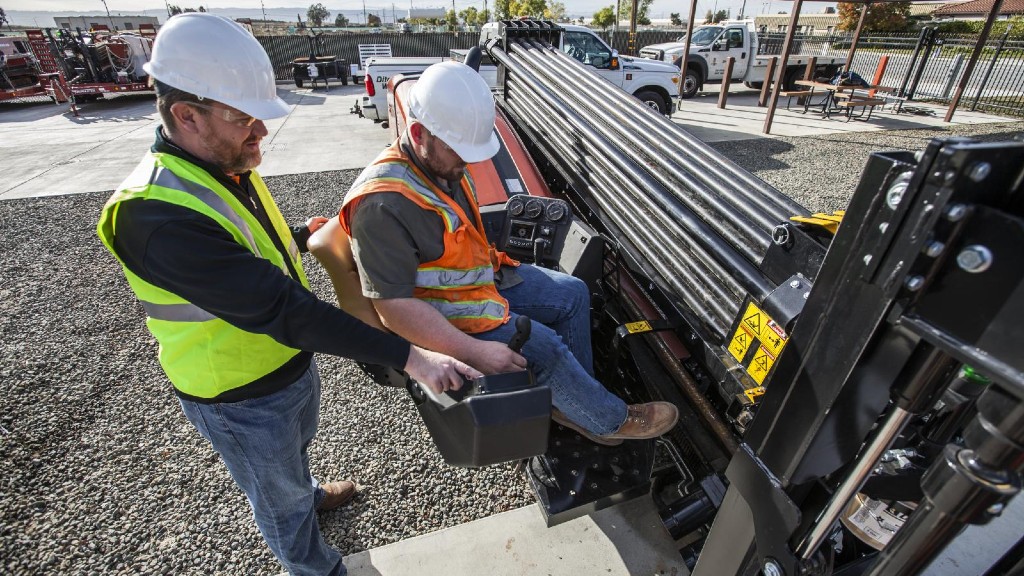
{"x":79,"y":67}
{"x":19,"y":70}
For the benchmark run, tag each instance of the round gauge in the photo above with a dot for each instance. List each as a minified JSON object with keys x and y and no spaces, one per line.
{"x":515,"y":207}
{"x":555,"y":211}
{"x":534,"y":208}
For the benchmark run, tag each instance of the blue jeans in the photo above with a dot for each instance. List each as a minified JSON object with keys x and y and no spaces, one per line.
{"x":558,"y":350}
{"x":264,"y":442}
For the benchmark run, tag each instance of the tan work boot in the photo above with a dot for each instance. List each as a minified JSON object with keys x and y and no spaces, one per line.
{"x":336,"y":494}
{"x":646,"y":421}
{"x":562,"y":419}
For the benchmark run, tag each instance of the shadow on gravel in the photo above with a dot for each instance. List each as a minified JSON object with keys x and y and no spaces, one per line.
{"x":755,"y":154}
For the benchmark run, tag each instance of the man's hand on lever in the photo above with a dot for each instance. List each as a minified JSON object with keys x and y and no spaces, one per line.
{"x":437,"y":371}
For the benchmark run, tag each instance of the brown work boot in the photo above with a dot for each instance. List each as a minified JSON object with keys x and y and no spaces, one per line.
{"x":336,"y":494}
{"x":562,"y":419}
{"x":646,"y":421}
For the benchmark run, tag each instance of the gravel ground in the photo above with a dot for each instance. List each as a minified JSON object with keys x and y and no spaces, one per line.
{"x":101,"y":473}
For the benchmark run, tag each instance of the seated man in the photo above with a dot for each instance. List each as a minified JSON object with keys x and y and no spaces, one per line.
{"x":425,"y":262}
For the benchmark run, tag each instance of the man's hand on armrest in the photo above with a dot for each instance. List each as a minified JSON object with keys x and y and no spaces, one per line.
{"x":419,"y":323}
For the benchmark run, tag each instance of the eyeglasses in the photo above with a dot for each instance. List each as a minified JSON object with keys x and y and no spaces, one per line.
{"x":227,"y":115}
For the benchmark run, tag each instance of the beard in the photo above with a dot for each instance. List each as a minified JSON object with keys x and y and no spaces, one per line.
{"x":230,"y":157}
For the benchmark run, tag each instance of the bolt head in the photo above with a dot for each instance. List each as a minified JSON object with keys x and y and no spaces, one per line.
{"x":895,"y":194}
{"x":996,"y":508}
{"x":771,"y":568}
{"x":980,"y":171}
{"x":974,"y":259}
{"x":955,"y":212}
{"x":794,"y":284}
{"x":934,"y":249}
{"x":914,"y":283}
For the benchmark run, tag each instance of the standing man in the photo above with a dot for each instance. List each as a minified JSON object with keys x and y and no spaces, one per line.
{"x":425,"y":262}
{"x":220,"y":277}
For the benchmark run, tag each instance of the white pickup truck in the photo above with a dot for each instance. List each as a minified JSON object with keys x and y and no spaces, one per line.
{"x":654,"y":83}
{"x":712,"y":45}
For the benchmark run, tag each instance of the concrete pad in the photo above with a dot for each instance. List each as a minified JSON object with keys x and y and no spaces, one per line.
{"x":623,"y":540}
{"x":742,"y":119}
{"x":46,"y":150}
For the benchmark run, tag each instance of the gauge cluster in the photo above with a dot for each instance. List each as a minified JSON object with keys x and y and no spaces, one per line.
{"x":536,"y":227}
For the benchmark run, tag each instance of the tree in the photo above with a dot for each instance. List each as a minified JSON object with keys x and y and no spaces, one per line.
{"x":4,"y":19}
{"x":451,"y":19}
{"x":174,"y":10}
{"x":317,"y":13}
{"x":709,"y":17}
{"x":372,"y":20}
{"x":642,"y":17}
{"x":532,"y":8}
{"x":469,"y":16}
{"x":555,"y":11}
{"x":721,"y":15}
{"x":882,"y":17}
{"x":483,"y":17}
{"x":604,"y":17}
{"x":675,"y":19}
{"x":502,"y":9}
{"x":340,"y":21}
{"x":201,"y":9}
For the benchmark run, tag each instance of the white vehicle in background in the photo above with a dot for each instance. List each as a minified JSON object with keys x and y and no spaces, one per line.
{"x":654,"y":83}
{"x":712,"y":45}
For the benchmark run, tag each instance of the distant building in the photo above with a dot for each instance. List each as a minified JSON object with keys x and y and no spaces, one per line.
{"x":425,"y":13}
{"x":978,"y":10}
{"x":114,"y":23}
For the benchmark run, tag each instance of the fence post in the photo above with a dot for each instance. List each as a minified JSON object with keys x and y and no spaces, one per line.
{"x":726,"y":80}
{"x":988,"y":73}
{"x":954,"y":69}
{"x":769,"y":73}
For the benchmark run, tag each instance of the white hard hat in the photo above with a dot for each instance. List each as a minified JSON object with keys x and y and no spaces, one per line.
{"x":213,"y":57}
{"x":452,"y":101}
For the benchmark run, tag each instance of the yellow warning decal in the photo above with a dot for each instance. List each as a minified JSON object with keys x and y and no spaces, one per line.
{"x":754,"y":393}
{"x":757,"y":330}
{"x":741,"y":342}
{"x":760,"y":365}
{"x":638,"y":327}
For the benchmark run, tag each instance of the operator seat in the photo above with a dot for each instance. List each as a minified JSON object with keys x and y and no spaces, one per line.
{"x":494,"y":419}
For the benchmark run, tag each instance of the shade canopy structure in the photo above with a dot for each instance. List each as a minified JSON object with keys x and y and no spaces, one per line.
{"x":779,"y":73}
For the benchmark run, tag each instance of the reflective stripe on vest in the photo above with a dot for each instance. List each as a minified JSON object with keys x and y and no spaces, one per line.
{"x":468,"y":309}
{"x":168,"y":179}
{"x":442,"y":278}
{"x":176,"y":312}
{"x":403,"y":177}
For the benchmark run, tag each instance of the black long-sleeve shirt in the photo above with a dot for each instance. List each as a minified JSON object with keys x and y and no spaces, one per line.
{"x":191,"y":255}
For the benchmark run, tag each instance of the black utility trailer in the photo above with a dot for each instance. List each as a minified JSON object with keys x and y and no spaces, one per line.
{"x":326,"y":67}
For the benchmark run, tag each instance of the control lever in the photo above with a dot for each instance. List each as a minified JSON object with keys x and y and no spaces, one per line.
{"x":522,"y":334}
{"x":540,"y":247}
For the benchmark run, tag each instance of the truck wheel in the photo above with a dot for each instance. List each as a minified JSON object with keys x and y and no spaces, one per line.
{"x":654,"y":100}
{"x":789,"y":82}
{"x":754,"y":85}
{"x":298,"y":82}
{"x":691,"y":83}
{"x":344,"y":79}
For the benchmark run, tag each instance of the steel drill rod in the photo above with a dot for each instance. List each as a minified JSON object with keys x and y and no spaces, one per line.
{"x":709,"y":162}
{"x":679,"y":277}
{"x":751,"y":238}
{"x":680,"y":248}
{"x":715,"y":279}
{"x":745,"y":272}
{"x":699,"y":180}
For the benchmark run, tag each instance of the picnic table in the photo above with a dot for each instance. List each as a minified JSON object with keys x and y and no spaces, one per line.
{"x":845,"y":99}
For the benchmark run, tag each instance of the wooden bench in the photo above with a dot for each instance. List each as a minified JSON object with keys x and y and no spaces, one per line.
{"x":790,"y":94}
{"x":852,"y":102}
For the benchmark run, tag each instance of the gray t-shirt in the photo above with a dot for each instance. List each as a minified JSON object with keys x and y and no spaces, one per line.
{"x":392,"y":236}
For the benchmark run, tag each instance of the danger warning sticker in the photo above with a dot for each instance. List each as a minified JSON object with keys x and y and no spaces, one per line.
{"x":756,"y":330}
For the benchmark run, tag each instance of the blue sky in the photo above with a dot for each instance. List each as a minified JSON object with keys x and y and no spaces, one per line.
{"x":660,"y":8}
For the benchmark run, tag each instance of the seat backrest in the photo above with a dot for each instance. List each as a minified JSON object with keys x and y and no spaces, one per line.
{"x":331,"y":246}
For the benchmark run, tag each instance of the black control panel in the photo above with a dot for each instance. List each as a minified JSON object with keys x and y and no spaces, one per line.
{"x":535,"y":228}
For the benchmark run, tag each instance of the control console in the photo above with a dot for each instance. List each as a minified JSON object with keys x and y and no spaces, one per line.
{"x":536,"y":228}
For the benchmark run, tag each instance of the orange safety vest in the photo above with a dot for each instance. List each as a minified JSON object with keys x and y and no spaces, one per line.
{"x":459,"y":284}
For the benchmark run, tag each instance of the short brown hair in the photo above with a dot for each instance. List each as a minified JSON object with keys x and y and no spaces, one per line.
{"x":167,"y":96}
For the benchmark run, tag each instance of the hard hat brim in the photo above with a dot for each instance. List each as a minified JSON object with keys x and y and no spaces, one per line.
{"x":265,"y":110}
{"x":471,"y":154}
